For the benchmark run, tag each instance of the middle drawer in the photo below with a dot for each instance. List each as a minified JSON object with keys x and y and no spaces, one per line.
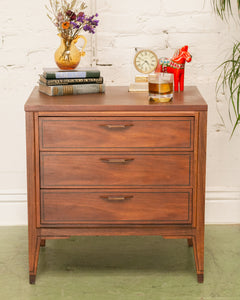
{"x":75,"y":170}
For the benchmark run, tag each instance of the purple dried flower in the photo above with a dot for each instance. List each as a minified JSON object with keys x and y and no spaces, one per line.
{"x":95,"y":23}
{"x":81,"y":17}
{"x":75,"y":25}
{"x":91,"y":22}
{"x":88,"y":28}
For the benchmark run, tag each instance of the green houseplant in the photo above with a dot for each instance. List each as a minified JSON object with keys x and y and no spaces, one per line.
{"x":229,"y":78}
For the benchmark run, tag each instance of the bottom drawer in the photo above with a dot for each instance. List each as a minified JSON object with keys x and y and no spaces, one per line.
{"x":116,"y":207}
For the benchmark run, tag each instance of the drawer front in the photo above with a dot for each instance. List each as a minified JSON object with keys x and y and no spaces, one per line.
{"x":137,"y":207}
{"x":115,"y":170}
{"x":81,"y":133}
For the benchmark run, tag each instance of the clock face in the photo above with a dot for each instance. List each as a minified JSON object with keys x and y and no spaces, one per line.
{"x":145,"y":61}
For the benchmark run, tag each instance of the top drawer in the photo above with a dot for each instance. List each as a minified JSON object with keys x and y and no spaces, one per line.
{"x":116,"y":133}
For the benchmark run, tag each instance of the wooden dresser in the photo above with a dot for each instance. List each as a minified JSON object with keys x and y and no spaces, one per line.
{"x":115,"y":164}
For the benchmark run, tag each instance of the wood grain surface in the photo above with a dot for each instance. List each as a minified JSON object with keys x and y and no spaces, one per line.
{"x":75,"y":170}
{"x":155,"y":133}
{"x":116,"y":98}
{"x":116,"y":207}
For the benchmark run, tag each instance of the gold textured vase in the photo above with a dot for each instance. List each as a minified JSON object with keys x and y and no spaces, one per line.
{"x":68,"y":56}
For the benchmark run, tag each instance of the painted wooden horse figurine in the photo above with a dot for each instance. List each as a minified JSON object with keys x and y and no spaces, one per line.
{"x":175,"y":65}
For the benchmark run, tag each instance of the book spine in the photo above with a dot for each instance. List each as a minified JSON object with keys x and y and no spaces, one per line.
{"x":71,"y":81}
{"x":76,"y":89}
{"x":76,"y":74}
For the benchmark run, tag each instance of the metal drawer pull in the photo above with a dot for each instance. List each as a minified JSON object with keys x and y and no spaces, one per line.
{"x":117,"y":160}
{"x":110,"y":126}
{"x":112,"y":198}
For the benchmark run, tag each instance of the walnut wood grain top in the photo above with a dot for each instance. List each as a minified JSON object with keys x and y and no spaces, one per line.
{"x":116,"y":98}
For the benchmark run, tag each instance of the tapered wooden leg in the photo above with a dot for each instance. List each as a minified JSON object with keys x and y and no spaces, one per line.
{"x":43,"y":243}
{"x":34,"y":248}
{"x":198,"y":248}
{"x":33,"y":240}
{"x":198,"y":238}
{"x":190,"y":242}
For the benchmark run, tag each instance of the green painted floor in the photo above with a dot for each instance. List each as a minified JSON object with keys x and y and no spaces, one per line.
{"x":121,"y":267}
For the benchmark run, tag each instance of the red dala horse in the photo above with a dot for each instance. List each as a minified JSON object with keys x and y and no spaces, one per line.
{"x":175,"y":65}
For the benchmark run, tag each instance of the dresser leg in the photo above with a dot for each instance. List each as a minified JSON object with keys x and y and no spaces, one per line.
{"x":200,"y":278}
{"x":33,"y":239}
{"x":198,"y":248}
{"x":32,"y":279}
{"x":190,"y":242}
{"x":34,"y":248}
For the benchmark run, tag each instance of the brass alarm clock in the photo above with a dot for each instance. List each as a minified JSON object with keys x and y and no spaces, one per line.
{"x":145,"y":61}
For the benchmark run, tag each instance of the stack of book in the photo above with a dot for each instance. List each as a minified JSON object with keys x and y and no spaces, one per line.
{"x":56,"y":82}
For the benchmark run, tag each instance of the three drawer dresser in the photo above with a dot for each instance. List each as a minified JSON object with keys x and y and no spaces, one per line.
{"x":115,"y":164}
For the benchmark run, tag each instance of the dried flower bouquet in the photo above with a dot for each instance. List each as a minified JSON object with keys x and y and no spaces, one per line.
{"x":70,"y":19}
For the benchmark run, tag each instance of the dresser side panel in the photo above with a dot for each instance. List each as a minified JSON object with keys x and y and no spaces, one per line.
{"x":31,"y":191}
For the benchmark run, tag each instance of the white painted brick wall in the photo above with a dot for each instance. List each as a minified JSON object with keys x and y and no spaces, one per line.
{"x":28,"y":41}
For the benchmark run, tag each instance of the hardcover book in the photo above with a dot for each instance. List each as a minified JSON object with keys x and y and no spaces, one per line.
{"x":70,"y":80}
{"x":55,"y":73}
{"x":74,"y":89}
